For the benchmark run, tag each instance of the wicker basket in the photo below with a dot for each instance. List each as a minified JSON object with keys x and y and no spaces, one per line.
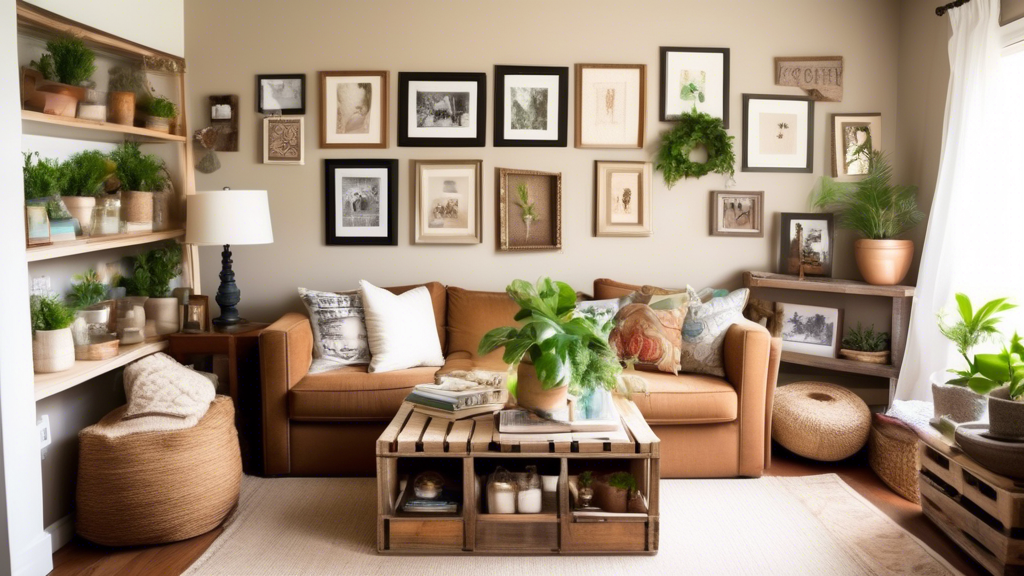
{"x":892,"y":454}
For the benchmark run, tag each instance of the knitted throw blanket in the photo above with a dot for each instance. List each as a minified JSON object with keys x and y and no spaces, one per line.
{"x":163,"y":395}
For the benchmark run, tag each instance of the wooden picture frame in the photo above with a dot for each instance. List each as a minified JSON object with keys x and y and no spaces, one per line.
{"x":819,"y":263}
{"x":444,"y":94}
{"x":547,"y":201}
{"x":202,"y":302}
{"x":702,"y":57}
{"x":587,"y":136}
{"x":37,"y":222}
{"x":225,"y":128}
{"x":623,"y":199}
{"x":548,"y":79}
{"x":264,"y":105}
{"x":284,"y":140}
{"x":368,"y":196}
{"x":792,"y":148}
{"x":740,"y":219}
{"x":869,"y":123}
{"x":361,"y":120}
{"x":810,"y":341}
{"x":459,"y":195}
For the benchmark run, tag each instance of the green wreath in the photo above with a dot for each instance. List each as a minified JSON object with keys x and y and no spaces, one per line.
{"x":694,"y":129}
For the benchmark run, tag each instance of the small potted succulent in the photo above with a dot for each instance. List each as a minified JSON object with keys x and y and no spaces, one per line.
{"x":866,"y":345}
{"x":151,"y":277}
{"x":81,"y":181}
{"x":140,"y":175}
{"x":65,"y":66}
{"x":586,"y":488}
{"x":53,"y":348}
{"x":162,"y":113}
{"x":611,"y":492}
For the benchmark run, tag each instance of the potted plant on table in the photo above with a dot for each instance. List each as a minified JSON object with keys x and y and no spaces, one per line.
{"x":880,"y":211}
{"x":612,"y":492}
{"x":151,"y":277}
{"x":1001,"y":376}
{"x":53,"y":349}
{"x":140,"y":175}
{"x":66,"y":65}
{"x":866,"y":345}
{"x":554,"y":351}
{"x":161,"y":113}
{"x":81,"y":182}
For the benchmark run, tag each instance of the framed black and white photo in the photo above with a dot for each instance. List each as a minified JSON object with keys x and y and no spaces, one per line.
{"x":361,"y":205}
{"x":778,"y":133}
{"x":438,"y":109}
{"x":354,"y":109}
{"x":448,"y":206}
{"x":806,"y":244}
{"x":284,"y":140}
{"x":281,"y":94}
{"x":531,"y":106}
{"x":736,"y":213}
{"x":854,"y":137}
{"x":694,"y":77}
{"x":813,"y":330}
{"x":611,"y":105}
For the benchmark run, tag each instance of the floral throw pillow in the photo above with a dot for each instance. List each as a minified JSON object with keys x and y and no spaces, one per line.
{"x":703,"y":335}
{"x":648,"y":330}
{"x":339,"y":328}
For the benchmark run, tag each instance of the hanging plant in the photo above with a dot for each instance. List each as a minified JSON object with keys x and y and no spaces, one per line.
{"x":695,"y":129}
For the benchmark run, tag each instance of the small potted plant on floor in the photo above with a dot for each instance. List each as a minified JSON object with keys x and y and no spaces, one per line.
{"x":611,"y":492}
{"x":866,"y":345}
{"x":161,"y":113}
{"x":53,"y":349}
{"x":66,"y":65}
{"x":81,"y":182}
{"x":151,"y":277}
{"x":140,"y":175}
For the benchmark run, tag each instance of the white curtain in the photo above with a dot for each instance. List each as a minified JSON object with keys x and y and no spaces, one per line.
{"x":963,"y":213}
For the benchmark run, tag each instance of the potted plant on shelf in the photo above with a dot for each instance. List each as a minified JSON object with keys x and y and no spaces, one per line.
{"x":140,"y":175}
{"x":554,"y":351}
{"x":611,"y":492}
{"x":880,"y":211}
{"x":151,"y":277}
{"x":66,"y":65}
{"x":81,"y":182}
{"x":42,"y":177}
{"x":53,"y":349}
{"x":91,"y":329}
{"x":866,"y":345}
{"x":586,"y":489}
{"x":161,"y":113}
{"x":128,"y":86}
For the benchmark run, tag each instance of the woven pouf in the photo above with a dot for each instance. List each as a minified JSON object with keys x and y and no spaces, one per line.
{"x":157,"y":487}
{"x":892,"y":454}
{"x":820,"y":421}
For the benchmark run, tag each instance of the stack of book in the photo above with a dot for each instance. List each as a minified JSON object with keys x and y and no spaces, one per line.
{"x":437,"y":402}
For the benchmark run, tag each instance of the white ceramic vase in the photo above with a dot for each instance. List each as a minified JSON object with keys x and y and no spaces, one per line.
{"x":163,"y":312}
{"x":53,"y":350}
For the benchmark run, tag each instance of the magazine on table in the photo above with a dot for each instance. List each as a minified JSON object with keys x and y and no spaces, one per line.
{"x":596,"y":415}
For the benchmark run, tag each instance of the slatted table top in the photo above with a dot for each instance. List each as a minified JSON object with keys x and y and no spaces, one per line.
{"x":412,"y":433}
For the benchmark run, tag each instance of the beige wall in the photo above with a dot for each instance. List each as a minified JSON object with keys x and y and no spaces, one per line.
{"x":1011,"y":10}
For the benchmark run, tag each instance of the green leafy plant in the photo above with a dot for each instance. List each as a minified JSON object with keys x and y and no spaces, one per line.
{"x":623,"y":481}
{"x":162,"y":108}
{"x":1003,"y":369}
{"x":67,"y":60}
{"x":530,"y":214}
{"x":138,"y":171}
{"x":41,"y":176}
{"x":86,"y":290}
{"x":693,"y":130}
{"x":49,"y":313}
{"x":131,"y":79}
{"x":866,"y":339}
{"x":84,"y":173}
{"x":586,"y":479}
{"x":970,"y":329}
{"x":690,"y":91}
{"x":873,"y":206}
{"x":566,"y":349}
{"x":152,"y":273}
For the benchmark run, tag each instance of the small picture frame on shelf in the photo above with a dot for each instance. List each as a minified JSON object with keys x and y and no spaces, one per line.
{"x":778,"y":133}
{"x":283,"y":94}
{"x":448,"y":205}
{"x":354,"y":109}
{"x":694,"y":78}
{"x":813,"y":330}
{"x":361,"y":202}
{"x":735,"y":213}
{"x":529,"y":210}
{"x":531,"y":106}
{"x":284,"y":140}
{"x":442,"y":109}
{"x":623,"y":199}
{"x":854,"y":137}
{"x":197,"y":315}
{"x":806,"y":244}
{"x":611,"y":105}
{"x":37,"y":225}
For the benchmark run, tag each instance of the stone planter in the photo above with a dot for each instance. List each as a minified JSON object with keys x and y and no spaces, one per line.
{"x":81,"y":208}
{"x":959,"y":403}
{"x":137,"y":206}
{"x":609,"y":498}
{"x":122,"y":108}
{"x":530,"y":392}
{"x":53,"y":350}
{"x":163,"y":312}
{"x":883,"y":262}
{"x":1005,"y":416}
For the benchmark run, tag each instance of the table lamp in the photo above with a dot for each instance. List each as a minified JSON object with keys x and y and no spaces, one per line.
{"x":225,"y":217}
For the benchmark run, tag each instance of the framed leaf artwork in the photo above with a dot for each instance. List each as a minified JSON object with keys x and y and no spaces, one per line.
{"x":694,"y":78}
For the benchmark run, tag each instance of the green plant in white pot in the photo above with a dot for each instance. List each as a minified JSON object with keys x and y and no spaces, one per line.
{"x":53,"y":348}
{"x":81,"y":181}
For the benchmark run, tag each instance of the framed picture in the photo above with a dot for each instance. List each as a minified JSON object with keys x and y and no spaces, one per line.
{"x":778,"y":133}
{"x":37,"y":225}
{"x":354,"y":109}
{"x":694,"y":77}
{"x":806,"y":243}
{"x":623,"y":199}
{"x":284,"y":140}
{"x":854,"y":136}
{"x":361,"y":202}
{"x":529,"y":210}
{"x":611,"y":105}
{"x":531,"y":106}
{"x":811,"y":330}
{"x":281,"y":94}
{"x":197,"y":315}
{"x":442,"y":108}
{"x":448,"y":206}
{"x":737,"y":213}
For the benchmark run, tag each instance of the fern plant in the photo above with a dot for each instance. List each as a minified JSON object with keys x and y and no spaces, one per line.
{"x":152,"y":273}
{"x":866,"y":339}
{"x":84,"y":173}
{"x":49,"y":313}
{"x":41,"y":176}
{"x":138,"y":171}
{"x":623,"y":481}
{"x":162,"y":108}
{"x":86,"y":290}
{"x":67,"y":60}
{"x":530,"y":214}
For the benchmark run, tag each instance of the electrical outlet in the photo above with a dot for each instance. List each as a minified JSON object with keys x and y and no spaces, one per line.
{"x":43,"y":426}
{"x":41,"y":285}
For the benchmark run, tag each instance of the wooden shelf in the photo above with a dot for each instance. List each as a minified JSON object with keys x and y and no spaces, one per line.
{"x":842,"y":365}
{"x":31,"y":116}
{"x":47,"y":385}
{"x":83,"y":245}
{"x":831,"y":285}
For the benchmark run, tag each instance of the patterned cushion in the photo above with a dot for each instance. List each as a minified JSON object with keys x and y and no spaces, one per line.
{"x":339,"y":331}
{"x":703,"y":334}
{"x":648,"y":330}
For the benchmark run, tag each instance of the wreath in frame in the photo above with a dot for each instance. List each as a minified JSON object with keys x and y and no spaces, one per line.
{"x":695,"y":129}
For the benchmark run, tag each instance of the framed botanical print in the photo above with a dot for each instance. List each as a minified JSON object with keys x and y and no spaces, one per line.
{"x":354,"y":109}
{"x":623,"y":199}
{"x":531,"y":106}
{"x":281,"y":94}
{"x":778,"y":133}
{"x":813,"y":330}
{"x":854,"y":137}
{"x":361,"y":206}
{"x":284,"y":140}
{"x":694,"y":77}
{"x":806,"y":243}
{"x":448,"y":206}
{"x":439,"y":109}
{"x":737,"y":213}
{"x":529,"y":210}
{"x":611,"y":105}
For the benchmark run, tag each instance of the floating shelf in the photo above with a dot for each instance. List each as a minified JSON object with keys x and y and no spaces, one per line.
{"x":842,"y":365}
{"x":831,"y":285}
{"x":83,"y":245}
{"x":31,"y":116}
{"x":47,"y":385}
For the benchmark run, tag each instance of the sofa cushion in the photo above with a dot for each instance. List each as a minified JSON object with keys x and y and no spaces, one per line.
{"x":351,"y":393}
{"x":439,"y":298}
{"x":685,"y":399}
{"x":463,"y":361}
{"x":605,"y":289}
{"x":471,"y":314}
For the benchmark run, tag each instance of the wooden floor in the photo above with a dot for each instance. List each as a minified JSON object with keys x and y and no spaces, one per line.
{"x":82,"y":558}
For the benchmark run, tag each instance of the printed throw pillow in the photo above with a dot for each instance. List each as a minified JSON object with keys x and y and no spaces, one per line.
{"x":339,"y":328}
{"x":704,"y":330}
{"x":648,"y":330}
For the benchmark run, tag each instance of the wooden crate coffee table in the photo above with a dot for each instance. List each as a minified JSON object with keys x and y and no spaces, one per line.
{"x":466,"y":449}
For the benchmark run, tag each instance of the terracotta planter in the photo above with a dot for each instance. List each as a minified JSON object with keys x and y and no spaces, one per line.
{"x":122,"y":108}
{"x":53,"y":350}
{"x":81,"y":207}
{"x":136,"y":206}
{"x":158,"y":124}
{"x":530,"y":392}
{"x":883,"y":262}
{"x":1005,"y":416}
{"x":53,"y":103}
{"x":869,"y":357}
{"x":163,"y":312}
{"x":959,"y":403}
{"x":608,"y":498}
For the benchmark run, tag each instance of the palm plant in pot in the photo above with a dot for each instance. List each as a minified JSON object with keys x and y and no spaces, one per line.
{"x":151,"y":277}
{"x":66,"y":65}
{"x":81,"y":182}
{"x":554,"y":351}
{"x":53,"y":348}
{"x":880,"y":211}
{"x":140,"y":175}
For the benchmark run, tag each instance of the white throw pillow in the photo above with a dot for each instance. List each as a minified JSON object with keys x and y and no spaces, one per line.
{"x":400,"y":328}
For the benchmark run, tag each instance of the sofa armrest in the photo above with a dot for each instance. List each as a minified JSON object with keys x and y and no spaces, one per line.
{"x":749,"y":368}
{"x":286,"y":351}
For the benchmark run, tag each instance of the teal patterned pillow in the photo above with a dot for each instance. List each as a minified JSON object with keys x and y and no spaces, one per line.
{"x":704,"y":330}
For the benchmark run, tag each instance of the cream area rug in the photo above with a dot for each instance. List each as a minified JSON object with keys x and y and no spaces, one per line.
{"x":770,"y":526}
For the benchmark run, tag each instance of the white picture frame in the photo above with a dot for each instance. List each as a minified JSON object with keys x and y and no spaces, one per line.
{"x":611,"y":105}
{"x":778,"y":133}
{"x":812,"y":330}
{"x":448,"y":201}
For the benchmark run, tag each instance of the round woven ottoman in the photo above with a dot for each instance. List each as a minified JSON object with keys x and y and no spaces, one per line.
{"x":820,"y":421}
{"x":157,"y":487}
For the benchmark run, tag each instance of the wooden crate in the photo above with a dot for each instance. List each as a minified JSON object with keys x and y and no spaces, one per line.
{"x":416,"y":441}
{"x":982,"y":512}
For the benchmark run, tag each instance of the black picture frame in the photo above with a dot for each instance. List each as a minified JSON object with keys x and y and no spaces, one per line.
{"x":331,"y":225}
{"x":662,"y":77}
{"x":787,"y":265}
{"x":562,"y":72}
{"x":284,"y":111}
{"x":404,"y":139}
{"x":809,"y":163}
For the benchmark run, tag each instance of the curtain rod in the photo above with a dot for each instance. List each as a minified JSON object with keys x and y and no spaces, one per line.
{"x":941,"y":10}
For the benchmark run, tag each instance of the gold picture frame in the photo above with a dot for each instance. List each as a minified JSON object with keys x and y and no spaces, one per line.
{"x":544,"y":195}
{"x":447,"y":201}
{"x":623,"y":198}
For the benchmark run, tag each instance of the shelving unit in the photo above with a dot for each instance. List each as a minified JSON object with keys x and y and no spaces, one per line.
{"x":79,"y":124}
{"x":47,"y":385}
{"x":85,"y":245}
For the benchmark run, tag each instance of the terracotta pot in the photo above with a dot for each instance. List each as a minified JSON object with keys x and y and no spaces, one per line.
{"x":158,"y":124}
{"x":122,"y":108}
{"x":959,"y":403}
{"x":1005,"y":416}
{"x":609,"y":498}
{"x":53,"y":103}
{"x":53,"y":350}
{"x":883,"y":262}
{"x":136,"y":206}
{"x":77,"y":92}
{"x":81,"y":207}
{"x":869,"y":357}
{"x":163,"y":312}
{"x":530,"y":392}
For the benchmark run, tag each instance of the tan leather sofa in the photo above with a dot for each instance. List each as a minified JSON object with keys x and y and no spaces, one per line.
{"x":327,"y":423}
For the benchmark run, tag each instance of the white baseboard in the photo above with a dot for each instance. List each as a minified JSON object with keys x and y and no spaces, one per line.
{"x":37,"y":560}
{"x":61,"y":532}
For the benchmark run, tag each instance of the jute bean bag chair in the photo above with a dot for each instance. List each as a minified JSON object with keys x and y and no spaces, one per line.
{"x":157,"y":487}
{"x":820,"y":421}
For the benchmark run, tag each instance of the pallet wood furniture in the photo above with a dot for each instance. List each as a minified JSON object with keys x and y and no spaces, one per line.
{"x":982,"y":512}
{"x":468,"y":448}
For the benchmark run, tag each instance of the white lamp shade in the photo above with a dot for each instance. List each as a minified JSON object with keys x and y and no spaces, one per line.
{"x":221,"y":217}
